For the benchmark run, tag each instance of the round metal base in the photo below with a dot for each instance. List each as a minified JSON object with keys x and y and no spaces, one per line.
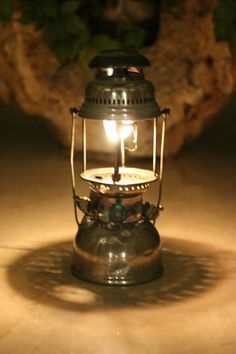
{"x":124,"y":256}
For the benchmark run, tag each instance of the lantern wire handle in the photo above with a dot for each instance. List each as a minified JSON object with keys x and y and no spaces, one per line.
{"x":165,"y":112}
{"x":73,"y":112}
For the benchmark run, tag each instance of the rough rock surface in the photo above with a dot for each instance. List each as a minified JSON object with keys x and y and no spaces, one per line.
{"x":192,"y":75}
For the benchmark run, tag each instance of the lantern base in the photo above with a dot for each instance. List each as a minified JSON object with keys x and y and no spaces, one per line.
{"x":128,"y":255}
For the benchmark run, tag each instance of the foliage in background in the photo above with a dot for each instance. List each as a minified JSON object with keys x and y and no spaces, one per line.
{"x":75,"y":29}
{"x":225,"y":20}
{"x":74,"y":26}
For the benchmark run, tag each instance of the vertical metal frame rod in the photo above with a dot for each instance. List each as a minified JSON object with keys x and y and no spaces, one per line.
{"x":165,"y":113}
{"x":84,"y":144}
{"x":154,"y":152}
{"x":73,"y":112}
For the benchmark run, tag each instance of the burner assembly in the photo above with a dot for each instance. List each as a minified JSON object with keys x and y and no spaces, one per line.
{"x":117,"y":242}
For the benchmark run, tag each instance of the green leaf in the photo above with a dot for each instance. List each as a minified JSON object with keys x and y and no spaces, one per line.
{"x":58,"y":29}
{"x":5,"y":10}
{"x":74,"y":25}
{"x":50,"y":8}
{"x":40,"y":22}
{"x":85,"y":56}
{"x":69,"y":48}
{"x":76,"y":46}
{"x":96,"y":9}
{"x":28,"y":16}
{"x":75,"y":49}
{"x":102,"y":42}
{"x":133,"y":36}
{"x":62,"y":50}
{"x":69,"y":7}
{"x":224,"y":19}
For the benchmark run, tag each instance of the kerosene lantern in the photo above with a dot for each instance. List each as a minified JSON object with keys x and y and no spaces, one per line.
{"x":117,"y":242}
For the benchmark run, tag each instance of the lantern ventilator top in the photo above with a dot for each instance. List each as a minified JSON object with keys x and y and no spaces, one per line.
{"x":119,"y":91}
{"x":121,"y":96}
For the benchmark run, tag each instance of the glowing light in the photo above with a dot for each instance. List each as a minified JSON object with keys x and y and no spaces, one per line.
{"x":115,"y":131}
{"x":110,"y":71}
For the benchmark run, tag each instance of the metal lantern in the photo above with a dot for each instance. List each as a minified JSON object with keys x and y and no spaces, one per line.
{"x":117,"y":242}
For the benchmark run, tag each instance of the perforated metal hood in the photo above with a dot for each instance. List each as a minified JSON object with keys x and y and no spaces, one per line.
{"x":119,"y":90}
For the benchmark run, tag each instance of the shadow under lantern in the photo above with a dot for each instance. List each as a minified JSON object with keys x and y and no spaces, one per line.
{"x":117,"y":242}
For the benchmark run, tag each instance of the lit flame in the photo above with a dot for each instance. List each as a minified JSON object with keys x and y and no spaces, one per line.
{"x":115,"y":132}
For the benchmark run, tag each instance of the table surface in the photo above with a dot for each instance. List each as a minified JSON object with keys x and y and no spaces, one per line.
{"x":45,"y":310}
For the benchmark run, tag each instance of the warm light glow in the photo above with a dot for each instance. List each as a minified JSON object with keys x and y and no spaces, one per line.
{"x":110,"y":71}
{"x":116,"y":131}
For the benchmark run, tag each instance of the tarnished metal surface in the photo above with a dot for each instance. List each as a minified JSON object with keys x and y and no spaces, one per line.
{"x":119,"y":91}
{"x":117,"y":242}
{"x":129,"y":254}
